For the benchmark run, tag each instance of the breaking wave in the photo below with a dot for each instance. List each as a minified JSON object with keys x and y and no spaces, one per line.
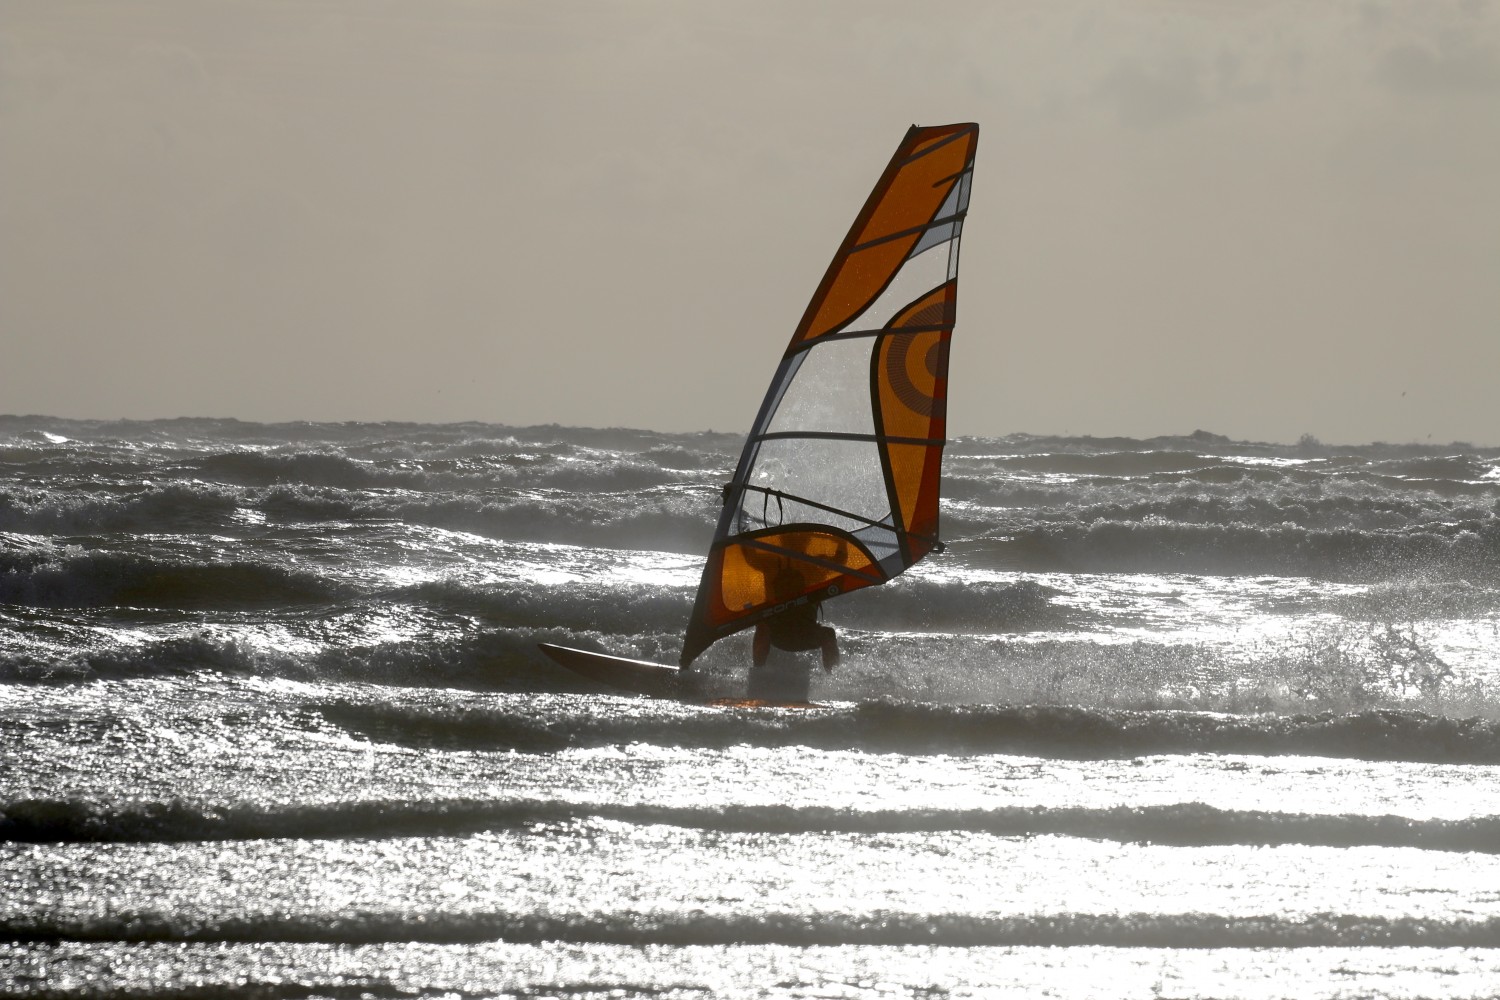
{"x":497,"y":660}
{"x":1463,"y":549}
{"x":78,"y":578}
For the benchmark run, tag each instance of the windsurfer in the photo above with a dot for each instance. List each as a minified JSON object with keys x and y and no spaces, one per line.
{"x":796,"y":629}
{"x":840,"y":474}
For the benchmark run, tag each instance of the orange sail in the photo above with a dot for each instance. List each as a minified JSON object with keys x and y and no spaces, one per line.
{"x":837,"y":487}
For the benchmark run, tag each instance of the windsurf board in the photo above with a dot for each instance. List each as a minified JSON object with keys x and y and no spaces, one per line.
{"x":637,"y":676}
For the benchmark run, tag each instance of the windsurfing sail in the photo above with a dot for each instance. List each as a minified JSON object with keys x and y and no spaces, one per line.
{"x":837,"y":487}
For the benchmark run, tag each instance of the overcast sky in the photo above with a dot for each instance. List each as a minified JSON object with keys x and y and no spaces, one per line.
{"x":1259,"y":218}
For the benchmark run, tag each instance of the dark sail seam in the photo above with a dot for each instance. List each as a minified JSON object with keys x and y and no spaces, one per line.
{"x":850,"y":436}
{"x":855,"y":334}
{"x":912,"y":231}
{"x":837,"y":567}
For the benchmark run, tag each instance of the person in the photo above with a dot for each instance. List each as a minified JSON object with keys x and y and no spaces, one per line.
{"x":796,"y":630}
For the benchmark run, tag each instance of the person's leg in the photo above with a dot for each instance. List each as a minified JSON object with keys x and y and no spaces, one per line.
{"x":830,"y":647}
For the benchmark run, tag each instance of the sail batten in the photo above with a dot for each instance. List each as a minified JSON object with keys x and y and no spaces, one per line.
{"x":856,"y":334}
{"x":913,"y":231}
{"x":777,"y":550}
{"x":848,"y":441}
{"x":846,"y":436}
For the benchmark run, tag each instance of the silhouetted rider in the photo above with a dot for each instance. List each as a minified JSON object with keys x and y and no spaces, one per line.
{"x":796,"y":629}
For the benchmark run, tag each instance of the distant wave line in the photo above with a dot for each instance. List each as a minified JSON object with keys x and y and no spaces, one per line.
{"x":1177,"y":825}
{"x":1063,"y":732}
{"x":1136,"y":930}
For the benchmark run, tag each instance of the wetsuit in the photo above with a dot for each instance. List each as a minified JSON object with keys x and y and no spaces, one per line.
{"x":796,"y":630}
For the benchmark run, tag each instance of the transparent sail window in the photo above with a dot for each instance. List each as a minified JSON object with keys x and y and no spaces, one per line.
{"x":831,"y":391}
{"x":916,"y":277}
{"x":843,"y":475}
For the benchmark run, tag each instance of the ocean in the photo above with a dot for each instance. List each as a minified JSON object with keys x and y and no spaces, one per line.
{"x":1178,"y":717}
